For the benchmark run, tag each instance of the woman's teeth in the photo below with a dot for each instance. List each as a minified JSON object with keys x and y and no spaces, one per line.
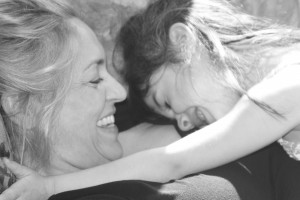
{"x":106,"y":121}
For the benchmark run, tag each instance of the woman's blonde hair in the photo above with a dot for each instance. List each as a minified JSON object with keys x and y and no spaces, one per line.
{"x":37,"y":47}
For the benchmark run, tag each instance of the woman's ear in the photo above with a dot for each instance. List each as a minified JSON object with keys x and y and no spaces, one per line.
{"x":8,"y":103}
{"x":181,"y":36}
{"x":15,"y":111}
{"x":10,"y":106}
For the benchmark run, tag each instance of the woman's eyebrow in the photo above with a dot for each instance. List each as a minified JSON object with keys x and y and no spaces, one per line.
{"x":97,"y":61}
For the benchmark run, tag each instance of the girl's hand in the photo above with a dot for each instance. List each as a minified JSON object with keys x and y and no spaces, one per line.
{"x":29,"y":186}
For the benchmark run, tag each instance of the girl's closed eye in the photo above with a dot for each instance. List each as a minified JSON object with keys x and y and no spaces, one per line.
{"x":168,"y":110}
{"x":167,"y":106}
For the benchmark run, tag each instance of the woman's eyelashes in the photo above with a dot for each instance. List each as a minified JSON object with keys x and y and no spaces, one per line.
{"x":95,"y":82}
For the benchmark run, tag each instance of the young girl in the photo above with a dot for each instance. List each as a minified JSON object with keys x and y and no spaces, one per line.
{"x":200,"y":62}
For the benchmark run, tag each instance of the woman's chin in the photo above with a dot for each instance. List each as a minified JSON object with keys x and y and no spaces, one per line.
{"x":114,"y":152}
{"x":109,"y":147}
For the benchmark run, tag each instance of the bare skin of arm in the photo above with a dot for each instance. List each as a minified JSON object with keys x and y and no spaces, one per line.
{"x":147,"y":136}
{"x":141,"y":137}
{"x":245,"y":129}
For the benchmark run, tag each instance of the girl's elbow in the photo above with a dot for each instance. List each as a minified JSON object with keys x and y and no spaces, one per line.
{"x":174,"y":171}
{"x":168,"y":166}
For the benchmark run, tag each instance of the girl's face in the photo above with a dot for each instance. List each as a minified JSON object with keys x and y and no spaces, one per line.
{"x":86,"y":134}
{"x":189,"y":93}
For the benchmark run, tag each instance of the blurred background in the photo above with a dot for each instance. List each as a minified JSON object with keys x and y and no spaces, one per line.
{"x":107,"y":16}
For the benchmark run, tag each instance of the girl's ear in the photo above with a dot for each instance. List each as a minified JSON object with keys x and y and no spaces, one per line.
{"x":181,"y":36}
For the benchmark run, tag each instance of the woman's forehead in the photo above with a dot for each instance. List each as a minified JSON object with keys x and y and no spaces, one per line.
{"x":90,"y":50}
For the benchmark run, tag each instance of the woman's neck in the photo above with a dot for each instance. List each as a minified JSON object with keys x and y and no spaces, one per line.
{"x":59,"y":165}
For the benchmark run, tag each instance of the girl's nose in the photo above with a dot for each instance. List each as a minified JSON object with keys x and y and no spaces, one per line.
{"x":184,"y":123}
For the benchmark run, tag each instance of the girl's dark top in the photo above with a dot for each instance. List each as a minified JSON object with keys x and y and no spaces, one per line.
{"x":266,"y":175}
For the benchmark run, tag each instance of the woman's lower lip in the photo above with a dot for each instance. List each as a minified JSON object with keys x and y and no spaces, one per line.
{"x":111,"y":127}
{"x":107,"y":126}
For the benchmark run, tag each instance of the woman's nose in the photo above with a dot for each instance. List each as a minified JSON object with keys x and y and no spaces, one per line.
{"x":116,"y":92}
{"x":184,"y":122}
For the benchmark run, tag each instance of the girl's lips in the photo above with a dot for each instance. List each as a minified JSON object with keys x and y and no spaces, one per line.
{"x":201,"y":118}
{"x":200,"y":114}
{"x":204,"y":114}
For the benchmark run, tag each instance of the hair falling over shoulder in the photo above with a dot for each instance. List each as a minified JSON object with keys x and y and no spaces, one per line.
{"x":35,"y":52}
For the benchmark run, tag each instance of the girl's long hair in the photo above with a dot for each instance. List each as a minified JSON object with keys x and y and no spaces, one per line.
{"x":235,"y":42}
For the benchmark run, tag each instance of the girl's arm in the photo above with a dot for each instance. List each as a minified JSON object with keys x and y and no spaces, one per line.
{"x":245,"y":129}
{"x":147,"y":136}
{"x":32,"y":186}
{"x":144,"y":136}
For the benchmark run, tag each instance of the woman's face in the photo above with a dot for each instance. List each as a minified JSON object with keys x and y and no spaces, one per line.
{"x":189,"y":93}
{"x":86,"y":134}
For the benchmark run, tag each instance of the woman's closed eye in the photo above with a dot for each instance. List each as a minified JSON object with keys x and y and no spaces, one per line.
{"x":96,"y":81}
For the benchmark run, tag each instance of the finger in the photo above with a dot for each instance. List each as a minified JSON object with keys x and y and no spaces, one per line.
{"x":9,"y":194}
{"x":17,"y":169}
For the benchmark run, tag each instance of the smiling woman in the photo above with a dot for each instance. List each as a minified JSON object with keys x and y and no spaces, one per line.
{"x":89,"y":108}
{"x":84,"y":93}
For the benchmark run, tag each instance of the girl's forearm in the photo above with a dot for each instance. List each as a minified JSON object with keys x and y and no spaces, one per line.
{"x":244,"y":130}
{"x":152,"y":165}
